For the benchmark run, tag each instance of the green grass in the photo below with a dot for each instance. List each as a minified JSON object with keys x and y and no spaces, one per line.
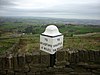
{"x":32,"y":40}
{"x":82,"y":43}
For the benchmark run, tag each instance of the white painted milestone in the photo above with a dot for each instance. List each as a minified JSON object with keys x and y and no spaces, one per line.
{"x":51,"y":40}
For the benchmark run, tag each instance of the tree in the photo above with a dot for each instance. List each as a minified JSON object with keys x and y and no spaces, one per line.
{"x":29,"y":29}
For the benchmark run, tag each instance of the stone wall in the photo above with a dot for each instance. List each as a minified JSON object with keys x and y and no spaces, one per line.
{"x":38,"y":63}
{"x":84,"y":56}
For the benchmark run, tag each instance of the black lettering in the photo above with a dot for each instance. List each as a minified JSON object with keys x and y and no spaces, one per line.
{"x":42,"y":47}
{"x":54,"y":49}
{"x":58,"y":39}
{"x":46,"y":44}
{"x":57,"y":44}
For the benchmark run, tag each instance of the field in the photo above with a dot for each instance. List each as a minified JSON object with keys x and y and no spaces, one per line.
{"x":22,"y":34}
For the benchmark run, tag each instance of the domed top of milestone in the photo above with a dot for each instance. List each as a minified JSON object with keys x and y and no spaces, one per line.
{"x":51,"y":30}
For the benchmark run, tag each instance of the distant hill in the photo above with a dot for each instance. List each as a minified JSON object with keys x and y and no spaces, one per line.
{"x":46,"y":20}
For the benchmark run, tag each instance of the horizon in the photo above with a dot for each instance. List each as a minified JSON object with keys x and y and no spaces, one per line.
{"x":53,"y":20}
{"x":49,"y":17}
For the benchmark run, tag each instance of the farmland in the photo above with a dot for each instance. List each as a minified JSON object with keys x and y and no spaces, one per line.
{"x":22,"y":34}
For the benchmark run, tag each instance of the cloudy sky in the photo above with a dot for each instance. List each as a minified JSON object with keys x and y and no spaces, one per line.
{"x":80,"y":9}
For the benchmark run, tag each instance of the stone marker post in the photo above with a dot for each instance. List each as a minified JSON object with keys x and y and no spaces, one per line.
{"x":51,"y":40}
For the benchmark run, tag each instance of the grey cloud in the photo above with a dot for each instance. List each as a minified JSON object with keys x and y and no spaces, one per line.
{"x":6,"y":3}
{"x":7,"y":8}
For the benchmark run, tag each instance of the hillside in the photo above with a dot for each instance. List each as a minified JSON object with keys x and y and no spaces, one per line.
{"x":22,"y":34}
